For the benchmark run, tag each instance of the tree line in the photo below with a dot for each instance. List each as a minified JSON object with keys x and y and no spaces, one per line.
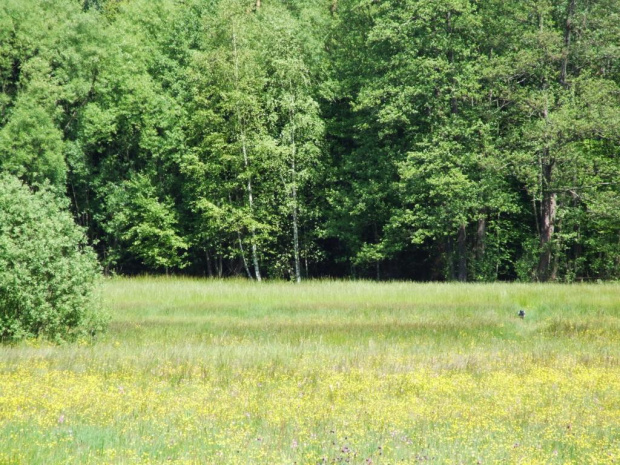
{"x":471,"y":140}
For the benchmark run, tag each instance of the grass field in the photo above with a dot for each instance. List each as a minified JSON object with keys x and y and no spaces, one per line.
{"x":233,"y":372}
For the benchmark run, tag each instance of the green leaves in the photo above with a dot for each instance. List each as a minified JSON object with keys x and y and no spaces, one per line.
{"x":429,"y":139}
{"x":145,"y":224}
{"x":47,"y":272}
{"x":31,"y":145}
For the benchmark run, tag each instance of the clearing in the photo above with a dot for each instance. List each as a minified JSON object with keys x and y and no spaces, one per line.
{"x":235,"y":372}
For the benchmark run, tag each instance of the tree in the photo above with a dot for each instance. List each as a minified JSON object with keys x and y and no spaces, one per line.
{"x":419,"y":139}
{"x":295,"y":121}
{"x":145,"y":225}
{"x":558,"y":95}
{"x":228,"y":81}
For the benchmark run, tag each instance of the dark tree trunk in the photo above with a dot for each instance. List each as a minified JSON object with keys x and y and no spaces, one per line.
{"x":462,"y":251}
{"x":450,"y":259}
{"x":209,"y":265}
{"x":219,"y":265}
{"x":480,"y":246}
{"x":378,"y":263}
{"x":553,"y":276}
{"x":481,"y":232}
{"x":548,"y":210}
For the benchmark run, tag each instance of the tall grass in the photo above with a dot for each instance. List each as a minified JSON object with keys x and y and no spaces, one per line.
{"x":207,"y":371}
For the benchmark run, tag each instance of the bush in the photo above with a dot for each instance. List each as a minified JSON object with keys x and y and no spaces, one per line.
{"x":47,"y":271}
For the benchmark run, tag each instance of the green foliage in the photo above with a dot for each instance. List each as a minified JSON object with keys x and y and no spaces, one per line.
{"x":419,"y":139}
{"x":48,"y":273}
{"x":31,"y":145}
{"x":145,"y":225}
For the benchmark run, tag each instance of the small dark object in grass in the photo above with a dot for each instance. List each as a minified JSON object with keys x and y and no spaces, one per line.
{"x":521,"y":313}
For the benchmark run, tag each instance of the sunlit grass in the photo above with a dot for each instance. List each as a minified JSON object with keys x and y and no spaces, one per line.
{"x":195,"y":371}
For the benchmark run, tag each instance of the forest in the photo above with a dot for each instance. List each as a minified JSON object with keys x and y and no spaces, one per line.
{"x":431,"y":140}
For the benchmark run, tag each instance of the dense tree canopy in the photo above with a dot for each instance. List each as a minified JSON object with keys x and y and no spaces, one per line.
{"x":415,"y":139}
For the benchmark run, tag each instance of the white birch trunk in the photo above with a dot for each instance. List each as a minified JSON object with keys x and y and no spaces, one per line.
{"x":294,"y":193}
{"x":246,"y":163}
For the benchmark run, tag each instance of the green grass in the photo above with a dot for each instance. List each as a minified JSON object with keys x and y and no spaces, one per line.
{"x":197,"y":371}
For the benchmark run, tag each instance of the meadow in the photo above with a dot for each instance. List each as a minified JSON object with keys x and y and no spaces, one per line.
{"x":236,"y":372}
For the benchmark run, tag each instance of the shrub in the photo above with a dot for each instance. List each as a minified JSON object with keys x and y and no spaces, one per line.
{"x":47,"y":271}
